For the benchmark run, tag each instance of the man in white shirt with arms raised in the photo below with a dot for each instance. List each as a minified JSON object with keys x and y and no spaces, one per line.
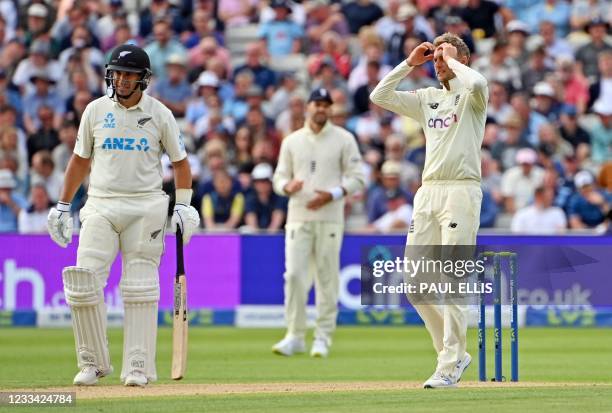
{"x":447,"y":206}
{"x":121,"y":139}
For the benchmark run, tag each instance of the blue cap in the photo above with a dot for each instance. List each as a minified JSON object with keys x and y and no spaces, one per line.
{"x":569,"y":110}
{"x":320,"y":95}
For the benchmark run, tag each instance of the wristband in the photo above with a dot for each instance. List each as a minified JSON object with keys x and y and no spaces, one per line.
{"x":63,"y":206}
{"x":183,"y":196}
{"x":336,"y":192}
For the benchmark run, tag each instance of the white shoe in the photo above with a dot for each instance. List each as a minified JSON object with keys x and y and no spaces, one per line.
{"x":440,"y":381}
{"x":89,"y":375}
{"x":319,"y":348}
{"x":136,"y":378}
{"x":289,"y":346}
{"x":461,"y":366}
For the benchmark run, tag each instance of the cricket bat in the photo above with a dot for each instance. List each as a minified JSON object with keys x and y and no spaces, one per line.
{"x":179,"y":322}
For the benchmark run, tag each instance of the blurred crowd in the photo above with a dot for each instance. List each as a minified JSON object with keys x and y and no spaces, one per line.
{"x":236,"y":74}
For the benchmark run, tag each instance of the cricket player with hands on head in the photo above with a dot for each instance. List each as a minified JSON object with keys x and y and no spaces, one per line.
{"x":447,"y":206}
{"x":120,"y":141}
{"x":318,"y":166}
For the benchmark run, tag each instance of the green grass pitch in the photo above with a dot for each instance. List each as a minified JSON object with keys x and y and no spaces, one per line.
{"x":571,"y":370}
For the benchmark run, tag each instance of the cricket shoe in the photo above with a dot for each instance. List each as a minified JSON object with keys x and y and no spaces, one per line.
{"x":320,"y":348}
{"x":136,"y":378}
{"x":441,"y":381}
{"x":461,"y":366}
{"x":89,"y":375}
{"x":289,"y":346}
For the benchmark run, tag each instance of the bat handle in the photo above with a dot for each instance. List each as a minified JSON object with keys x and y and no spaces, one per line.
{"x":180,"y":264}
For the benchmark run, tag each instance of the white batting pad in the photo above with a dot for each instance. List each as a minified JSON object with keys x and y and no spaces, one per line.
{"x":140,"y":291}
{"x":86,"y":302}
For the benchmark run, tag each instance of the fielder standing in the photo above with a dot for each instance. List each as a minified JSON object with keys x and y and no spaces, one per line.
{"x":318,"y":166}
{"x":447,"y":206}
{"x":121,"y":138}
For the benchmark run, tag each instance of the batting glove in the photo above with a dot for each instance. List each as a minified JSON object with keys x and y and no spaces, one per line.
{"x":59,"y":223}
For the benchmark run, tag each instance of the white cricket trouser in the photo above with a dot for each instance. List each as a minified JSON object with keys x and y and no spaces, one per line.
{"x":446,"y":213}
{"x":136,"y":226}
{"x":312,"y":250}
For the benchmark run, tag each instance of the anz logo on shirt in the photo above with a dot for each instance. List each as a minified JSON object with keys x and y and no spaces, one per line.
{"x":126,"y":144}
{"x":109,"y":121}
{"x":443,"y":123}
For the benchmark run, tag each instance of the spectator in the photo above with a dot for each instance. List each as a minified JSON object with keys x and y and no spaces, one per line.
{"x":38,"y":62}
{"x":234,"y":13}
{"x":499,"y":67}
{"x":456,"y":25}
{"x":78,"y":15}
{"x":499,"y":109}
{"x":550,"y":138}
{"x":406,"y":15}
{"x":265,"y":77}
{"x":505,"y":150}
{"x":45,"y":137}
{"x":207,"y":87}
{"x":602,"y":87}
{"x":536,"y":69}
{"x":554,"y":45}
{"x":292,"y":118}
{"x":323,"y":19}
{"x":81,"y":45}
{"x":584,"y":11}
{"x":237,"y":107}
{"x":264,"y":208}
{"x":63,"y":152}
{"x":159,"y":10}
{"x":11,"y":203}
{"x":395,"y":150}
{"x":163,"y":47}
{"x":601,"y":133}
{"x":37,"y":24}
{"x":520,"y":182}
{"x":588,"y":54}
{"x":545,"y":101}
{"x":280,"y":99}
{"x":557,"y":12}
{"x":243,"y":144}
{"x":541,"y":217}
{"x":8,"y":94}
{"x":332,"y":47}
{"x":33,"y":218}
{"x":203,"y":26}
{"x":488,"y":210}
{"x":360,"y":13}
{"x":605,"y":177}
{"x":373,"y":48}
{"x":361,"y":98}
{"x":328,"y":77}
{"x":480,"y":15}
{"x":42,"y":96}
{"x":43,"y":172}
{"x":207,"y":51}
{"x":387,"y":197}
{"x":114,"y":17}
{"x":9,"y":146}
{"x":589,"y":205}
{"x":281,"y":36}
{"x":174,"y":91}
{"x":575,"y":86}
{"x":570,"y":130}
{"x":518,"y":33}
{"x":222,"y":208}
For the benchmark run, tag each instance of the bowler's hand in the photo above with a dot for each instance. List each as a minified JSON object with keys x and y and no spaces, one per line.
{"x":293,"y":186}
{"x":321,"y":199}
{"x":421,"y":54}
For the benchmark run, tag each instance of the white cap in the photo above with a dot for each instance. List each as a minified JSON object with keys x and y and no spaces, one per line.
{"x":518,"y":26}
{"x":37,"y":10}
{"x":176,"y":59}
{"x":603,"y":107}
{"x":262,"y":171}
{"x":583,"y":178}
{"x":6,"y":179}
{"x":543,"y":89}
{"x":208,"y":78}
{"x":406,"y":11}
{"x":391,"y":168}
{"x":526,"y":155}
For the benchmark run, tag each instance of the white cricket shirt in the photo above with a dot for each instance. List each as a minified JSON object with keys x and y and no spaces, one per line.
{"x":125,"y":146}
{"x":453,"y":120}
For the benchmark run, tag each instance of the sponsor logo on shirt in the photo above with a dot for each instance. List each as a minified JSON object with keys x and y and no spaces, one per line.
{"x":457,"y":99}
{"x":433,"y":105}
{"x":442,"y":123}
{"x":109,"y":121}
{"x":142,"y":121}
{"x":126,"y":144}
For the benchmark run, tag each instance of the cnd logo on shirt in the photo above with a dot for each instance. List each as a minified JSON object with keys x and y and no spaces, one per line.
{"x":442,"y":122}
{"x":109,"y":121}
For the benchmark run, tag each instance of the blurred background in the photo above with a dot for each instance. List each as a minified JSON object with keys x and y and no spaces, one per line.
{"x":236,"y":74}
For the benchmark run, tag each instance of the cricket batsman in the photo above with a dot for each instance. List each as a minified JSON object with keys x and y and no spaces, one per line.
{"x":120,"y":141}
{"x":447,"y":206}
{"x":318,"y":166}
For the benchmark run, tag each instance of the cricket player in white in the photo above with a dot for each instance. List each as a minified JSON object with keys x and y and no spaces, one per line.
{"x":121,"y":138}
{"x":318,"y":166}
{"x":447,"y":206}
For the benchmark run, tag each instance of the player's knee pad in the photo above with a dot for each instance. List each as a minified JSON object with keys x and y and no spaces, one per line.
{"x":140,"y":282}
{"x":80,"y":287}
